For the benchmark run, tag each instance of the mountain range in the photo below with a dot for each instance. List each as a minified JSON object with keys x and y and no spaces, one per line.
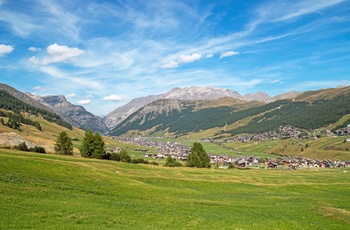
{"x":118,"y":115}
{"x":192,"y":109}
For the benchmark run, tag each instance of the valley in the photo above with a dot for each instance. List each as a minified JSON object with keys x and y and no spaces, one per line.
{"x":285,"y":177}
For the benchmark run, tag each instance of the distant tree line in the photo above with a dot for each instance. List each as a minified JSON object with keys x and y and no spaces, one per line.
{"x":9,"y":102}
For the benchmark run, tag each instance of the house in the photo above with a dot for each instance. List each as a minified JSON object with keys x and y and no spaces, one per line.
{"x":294,"y":166}
{"x":272,"y":165}
{"x":241,"y":163}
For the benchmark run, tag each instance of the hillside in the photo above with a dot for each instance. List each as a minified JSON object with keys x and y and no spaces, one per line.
{"x":310,"y":110}
{"x":21,"y":122}
{"x":193,"y":93}
{"x":18,"y":107}
{"x":30,"y":101}
{"x":44,"y":191}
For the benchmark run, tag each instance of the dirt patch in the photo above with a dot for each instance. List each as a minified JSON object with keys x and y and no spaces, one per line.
{"x":12,"y":139}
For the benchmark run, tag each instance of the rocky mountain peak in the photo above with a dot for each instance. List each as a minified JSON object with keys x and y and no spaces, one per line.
{"x":76,"y":113}
{"x":259,"y":96}
{"x":189,"y":93}
{"x":200,"y":93}
{"x":56,"y":99}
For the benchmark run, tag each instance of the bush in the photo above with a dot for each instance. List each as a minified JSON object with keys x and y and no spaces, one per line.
{"x":114,"y":157}
{"x":37,"y":149}
{"x":170,"y":162}
{"x":154,"y":163}
{"x":231,"y":166}
{"x":139,"y":161}
{"x":22,"y":147}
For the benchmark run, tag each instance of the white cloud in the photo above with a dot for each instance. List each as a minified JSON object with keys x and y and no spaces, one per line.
{"x":209,"y":55}
{"x":57,"y":53}
{"x":71,"y":81}
{"x":228,"y":54}
{"x":276,"y":81}
{"x":84,"y":102}
{"x":5,"y":49}
{"x":189,"y":58}
{"x":182,"y":59}
{"x":112,"y":97}
{"x":34,"y":49}
{"x":289,"y":11}
{"x":171,"y":65}
{"x":39,"y":88}
{"x":72,"y":95}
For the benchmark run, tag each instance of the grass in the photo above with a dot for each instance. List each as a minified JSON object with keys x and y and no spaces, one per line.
{"x":65,"y":192}
{"x":47,"y":137}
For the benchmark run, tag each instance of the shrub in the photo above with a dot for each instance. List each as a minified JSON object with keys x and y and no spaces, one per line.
{"x":23,"y":147}
{"x":37,"y":149}
{"x":231,"y":166}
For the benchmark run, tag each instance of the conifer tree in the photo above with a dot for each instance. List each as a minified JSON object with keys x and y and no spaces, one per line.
{"x":198,"y":157}
{"x":64,"y":144}
{"x":86,"y":148}
{"x":92,"y":146}
{"x":98,"y":146}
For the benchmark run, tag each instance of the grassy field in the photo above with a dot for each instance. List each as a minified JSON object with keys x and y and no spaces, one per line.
{"x":46,"y":191}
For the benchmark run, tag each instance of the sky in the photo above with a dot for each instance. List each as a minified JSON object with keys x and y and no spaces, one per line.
{"x":102,"y":53}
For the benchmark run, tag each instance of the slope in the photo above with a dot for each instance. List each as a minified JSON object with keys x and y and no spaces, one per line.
{"x":60,"y":192}
{"x":325,"y":108}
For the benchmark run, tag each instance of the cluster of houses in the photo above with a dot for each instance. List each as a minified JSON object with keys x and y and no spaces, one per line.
{"x":165,"y":149}
{"x":281,"y":163}
{"x":342,"y":131}
{"x":295,"y":163}
{"x":180,"y":152}
{"x":283,"y":132}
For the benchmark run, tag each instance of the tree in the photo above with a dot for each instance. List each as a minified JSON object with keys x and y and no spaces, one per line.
{"x":64,"y":144}
{"x":86,"y":148}
{"x":124,"y":156}
{"x":198,"y":157}
{"x":98,"y":146}
{"x":92,"y":146}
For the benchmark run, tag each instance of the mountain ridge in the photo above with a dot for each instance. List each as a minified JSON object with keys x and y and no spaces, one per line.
{"x":309,"y":110}
{"x":188,"y":93}
{"x":75,"y":113}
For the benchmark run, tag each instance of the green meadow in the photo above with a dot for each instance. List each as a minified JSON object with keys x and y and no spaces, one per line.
{"x":47,"y":191}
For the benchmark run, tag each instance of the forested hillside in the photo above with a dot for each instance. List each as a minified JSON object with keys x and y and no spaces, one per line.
{"x":8,"y":102}
{"x":303,"y":114}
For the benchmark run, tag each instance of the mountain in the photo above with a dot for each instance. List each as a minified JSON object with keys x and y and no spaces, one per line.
{"x":191,"y":93}
{"x":308,"y":110}
{"x":77,"y":114}
{"x":32,"y":102}
{"x":199,"y":93}
{"x":21,"y":113}
{"x":121,"y":113}
{"x":118,"y":115}
{"x":259,"y":96}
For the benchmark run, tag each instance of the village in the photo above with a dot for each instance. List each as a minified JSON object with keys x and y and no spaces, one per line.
{"x":181,"y":152}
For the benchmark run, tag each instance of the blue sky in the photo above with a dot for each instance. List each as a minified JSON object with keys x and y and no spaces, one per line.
{"x":101,"y":54}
